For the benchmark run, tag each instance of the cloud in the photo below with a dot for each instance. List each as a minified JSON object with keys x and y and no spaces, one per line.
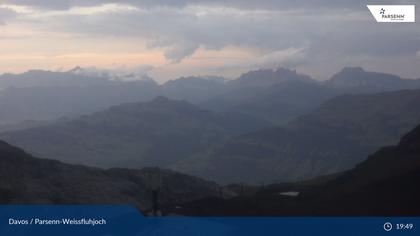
{"x":247,"y":4}
{"x":181,"y":51}
{"x":6,"y":14}
{"x":327,"y":30}
{"x":418,"y":54}
{"x":288,"y":58}
{"x":121,"y":72}
{"x":181,"y":31}
{"x":241,"y":4}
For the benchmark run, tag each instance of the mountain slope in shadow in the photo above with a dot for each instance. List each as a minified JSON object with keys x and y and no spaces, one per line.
{"x":155,"y":133}
{"x":334,"y":137}
{"x":383,"y":185}
{"x":28,"y":180}
{"x":194,"y":89}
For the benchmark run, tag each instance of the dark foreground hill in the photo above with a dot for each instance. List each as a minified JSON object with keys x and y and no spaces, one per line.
{"x":383,"y":185}
{"x":28,"y":180}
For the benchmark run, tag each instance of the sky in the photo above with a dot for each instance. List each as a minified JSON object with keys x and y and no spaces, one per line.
{"x":166,"y":39}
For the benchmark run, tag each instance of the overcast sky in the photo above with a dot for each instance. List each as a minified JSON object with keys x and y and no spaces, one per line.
{"x":172,"y":38}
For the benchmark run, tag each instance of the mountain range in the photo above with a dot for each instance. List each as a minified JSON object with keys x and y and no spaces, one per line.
{"x":275,"y":95}
{"x":156,"y":133}
{"x":267,"y":125}
{"x":181,"y":136}
{"x":43,"y":95}
{"x":41,"y":78}
{"x":281,"y":95}
{"x":332,"y":138}
{"x":383,"y":185}
{"x":286,"y":144}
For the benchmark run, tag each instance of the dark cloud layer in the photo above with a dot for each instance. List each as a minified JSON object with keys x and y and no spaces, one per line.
{"x":321,"y":30}
{"x":247,"y":4}
{"x":340,"y":33}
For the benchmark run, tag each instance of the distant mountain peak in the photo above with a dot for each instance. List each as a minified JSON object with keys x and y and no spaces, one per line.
{"x":214,"y":78}
{"x":285,"y":70}
{"x":350,"y":69}
{"x":357,"y":77}
{"x":161,"y":99}
{"x":194,"y":81}
{"x":350,"y":73}
{"x":358,"y":73}
{"x":281,"y":71}
{"x":269,"y":77}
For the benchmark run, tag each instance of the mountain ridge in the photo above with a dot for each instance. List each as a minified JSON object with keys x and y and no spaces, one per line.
{"x":44,"y":95}
{"x":366,"y":81}
{"x":334,"y":137}
{"x":29,"y":180}
{"x":382,"y":185}
{"x":155,"y":133}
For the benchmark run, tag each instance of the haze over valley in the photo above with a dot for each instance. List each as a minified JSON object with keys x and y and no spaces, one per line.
{"x":270,"y":125}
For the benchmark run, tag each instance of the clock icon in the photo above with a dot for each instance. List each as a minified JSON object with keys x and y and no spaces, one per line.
{"x":387,"y":226}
